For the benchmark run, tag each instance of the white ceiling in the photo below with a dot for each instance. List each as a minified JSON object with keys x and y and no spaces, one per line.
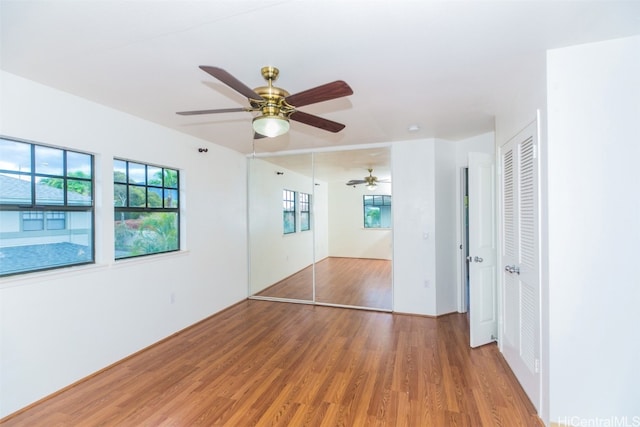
{"x":338,"y":165}
{"x":448,"y":67}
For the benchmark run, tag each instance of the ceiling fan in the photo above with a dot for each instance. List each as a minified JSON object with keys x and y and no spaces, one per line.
{"x":371,"y":181}
{"x":275,"y":105}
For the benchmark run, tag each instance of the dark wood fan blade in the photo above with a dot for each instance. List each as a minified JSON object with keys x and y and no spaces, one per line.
{"x":325,"y":92}
{"x":356,"y":182}
{"x":230,"y":81}
{"x":257,"y":135}
{"x":219,"y":110}
{"x":315,"y":121}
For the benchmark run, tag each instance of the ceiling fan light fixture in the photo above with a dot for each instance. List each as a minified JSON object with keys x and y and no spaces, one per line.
{"x":271,"y":126}
{"x":371,"y":186}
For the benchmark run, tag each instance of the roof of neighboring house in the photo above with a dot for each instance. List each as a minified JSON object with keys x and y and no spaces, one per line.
{"x":17,"y":259}
{"x":14,"y":190}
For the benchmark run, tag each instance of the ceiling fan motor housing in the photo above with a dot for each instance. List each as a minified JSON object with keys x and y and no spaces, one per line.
{"x":272,"y":103}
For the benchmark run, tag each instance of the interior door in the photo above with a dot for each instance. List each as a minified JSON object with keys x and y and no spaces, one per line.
{"x":482,"y":250}
{"x":520,"y":259}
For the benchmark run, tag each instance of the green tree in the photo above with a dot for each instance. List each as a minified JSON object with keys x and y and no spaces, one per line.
{"x":158,"y":232}
{"x":167,"y":178}
{"x":77,"y":186}
{"x":122,"y":193}
{"x":372,"y":217}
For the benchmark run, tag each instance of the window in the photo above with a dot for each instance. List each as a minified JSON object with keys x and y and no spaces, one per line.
{"x":32,"y":221}
{"x":377,"y":211}
{"x":35,"y":221}
{"x":146,"y":204}
{"x":305,"y":211}
{"x":288,"y":211}
{"x":55,"y":221}
{"x":46,"y":207}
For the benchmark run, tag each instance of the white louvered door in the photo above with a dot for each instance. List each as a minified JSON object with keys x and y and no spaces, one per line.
{"x":520,"y":259}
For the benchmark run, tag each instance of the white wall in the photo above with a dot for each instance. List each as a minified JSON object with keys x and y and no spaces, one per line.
{"x":594,"y":229}
{"x":347,"y":235}
{"x":446,"y":226}
{"x":321,"y":219}
{"x":424,"y":227}
{"x":414,"y":214}
{"x":60,"y":326}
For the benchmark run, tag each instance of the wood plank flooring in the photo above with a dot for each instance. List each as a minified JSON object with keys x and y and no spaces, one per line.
{"x":360,"y":282}
{"x":262,"y":363}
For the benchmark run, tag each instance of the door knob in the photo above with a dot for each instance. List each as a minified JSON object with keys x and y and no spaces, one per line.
{"x":478,"y":259}
{"x":512,"y":269}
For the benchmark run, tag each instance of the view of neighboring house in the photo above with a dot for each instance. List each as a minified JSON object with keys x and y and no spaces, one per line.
{"x":30,"y":240}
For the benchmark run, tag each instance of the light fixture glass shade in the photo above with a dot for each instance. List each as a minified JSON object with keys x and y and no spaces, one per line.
{"x":371,"y":187}
{"x":271,"y":126}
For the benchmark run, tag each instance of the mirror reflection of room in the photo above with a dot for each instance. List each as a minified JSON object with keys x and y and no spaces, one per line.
{"x":330,"y":238}
{"x":280,"y":237}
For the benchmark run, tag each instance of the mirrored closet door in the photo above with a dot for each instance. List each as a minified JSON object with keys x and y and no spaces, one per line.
{"x":280,"y":232}
{"x":334,"y":244}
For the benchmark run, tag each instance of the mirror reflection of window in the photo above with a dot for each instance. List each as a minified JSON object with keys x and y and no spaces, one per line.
{"x":377,"y":211}
{"x":288,"y":211}
{"x":305,"y":211}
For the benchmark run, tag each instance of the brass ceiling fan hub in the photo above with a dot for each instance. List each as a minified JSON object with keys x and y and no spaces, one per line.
{"x":273,"y":98}
{"x":371,"y":180}
{"x":269,"y":73}
{"x":271,"y":93}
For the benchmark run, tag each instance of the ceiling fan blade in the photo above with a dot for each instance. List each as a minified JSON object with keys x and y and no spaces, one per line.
{"x":220,"y":110}
{"x":230,"y":81}
{"x":356,"y":182}
{"x":257,"y":135}
{"x":319,"y":122}
{"x":325,"y":92}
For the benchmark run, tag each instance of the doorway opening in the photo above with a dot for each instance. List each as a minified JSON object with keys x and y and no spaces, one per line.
{"x":464,"y":246}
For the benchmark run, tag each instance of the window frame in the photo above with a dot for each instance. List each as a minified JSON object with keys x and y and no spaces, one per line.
{"x":39,"y":208}
{"x":126,"y":209}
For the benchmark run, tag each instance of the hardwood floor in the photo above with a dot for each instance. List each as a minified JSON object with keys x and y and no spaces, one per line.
{"x":360,"y":282}
{"x":269,"y":363}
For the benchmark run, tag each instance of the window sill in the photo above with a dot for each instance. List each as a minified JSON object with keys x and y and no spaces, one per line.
{"x":126,"y":262}
{"x":37,"y":277}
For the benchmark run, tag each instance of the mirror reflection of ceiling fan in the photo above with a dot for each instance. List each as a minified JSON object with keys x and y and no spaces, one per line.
{"x":275,"y":105}
{"x":370,"y":181}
